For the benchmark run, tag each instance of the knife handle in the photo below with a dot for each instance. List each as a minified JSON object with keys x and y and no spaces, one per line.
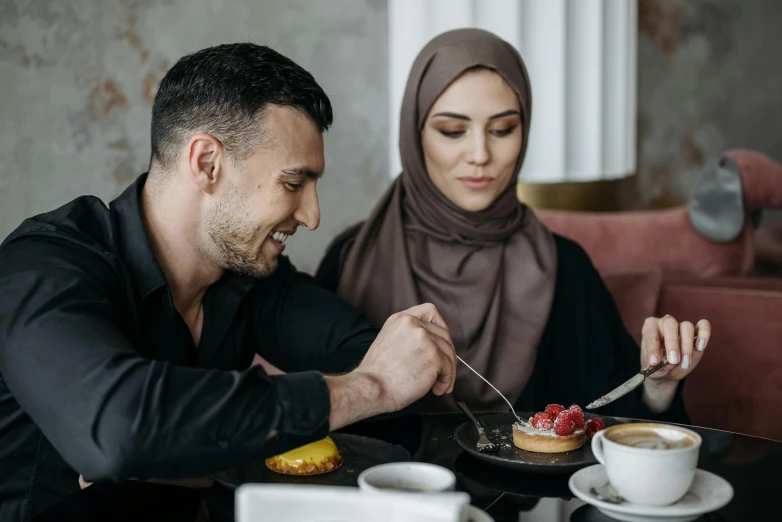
{"x":652,"y":369}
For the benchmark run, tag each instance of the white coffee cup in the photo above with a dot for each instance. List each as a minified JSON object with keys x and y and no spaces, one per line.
{"x":417,"y":477}
{"x":647,"y":463}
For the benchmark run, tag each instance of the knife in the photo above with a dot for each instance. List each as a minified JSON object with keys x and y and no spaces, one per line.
{"x":634,"y":382}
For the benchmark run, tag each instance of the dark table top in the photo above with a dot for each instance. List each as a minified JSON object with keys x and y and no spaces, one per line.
{"x":751,"y":465}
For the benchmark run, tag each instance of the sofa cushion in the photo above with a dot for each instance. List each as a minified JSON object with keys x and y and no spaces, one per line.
{"x":738,"y":384}
{"x":636,"y":296}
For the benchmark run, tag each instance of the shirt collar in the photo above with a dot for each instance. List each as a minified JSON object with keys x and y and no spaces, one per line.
{"x":136,"y":251}
{"x":133,"y":242}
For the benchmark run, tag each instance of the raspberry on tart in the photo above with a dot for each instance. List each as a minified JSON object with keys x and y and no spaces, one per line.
{"x":541,"y":422}
{"x":552,"y":410}
{"x":578,"y":416}
{"x":565,"y":424}
{"x":594,"y":425}
{"x":555,"y":430}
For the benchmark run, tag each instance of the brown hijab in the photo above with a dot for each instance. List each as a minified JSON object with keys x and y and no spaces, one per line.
{"x":490,"y":273}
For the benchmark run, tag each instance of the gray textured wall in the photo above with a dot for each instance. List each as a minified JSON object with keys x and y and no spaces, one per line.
{"x":78,"y":79}
{"x":710,"y":79}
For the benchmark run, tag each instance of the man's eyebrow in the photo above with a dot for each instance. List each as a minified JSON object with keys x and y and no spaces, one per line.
{"x":302,"y":171}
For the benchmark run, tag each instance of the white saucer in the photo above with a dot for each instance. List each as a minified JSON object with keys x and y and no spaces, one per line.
{"x":709,"y":492}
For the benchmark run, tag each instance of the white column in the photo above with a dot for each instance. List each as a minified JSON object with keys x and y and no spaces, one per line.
{"x":544,"y":44}
{"x":408,"y":33}
{"x":502,"y":17}
{"x":619,"y":86}
{"x":581,"y":56}
{"x":584,"y":84}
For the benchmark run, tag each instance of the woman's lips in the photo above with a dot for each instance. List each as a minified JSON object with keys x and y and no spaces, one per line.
{"x":476,"y":183}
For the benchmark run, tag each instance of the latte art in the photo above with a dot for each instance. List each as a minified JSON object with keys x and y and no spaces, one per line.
{"x":657,"y":439}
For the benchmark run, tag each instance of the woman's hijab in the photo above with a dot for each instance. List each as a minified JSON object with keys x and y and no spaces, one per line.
{"x":490,"y":273}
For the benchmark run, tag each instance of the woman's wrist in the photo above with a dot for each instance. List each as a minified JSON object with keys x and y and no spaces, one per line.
{"x":659,"y":395}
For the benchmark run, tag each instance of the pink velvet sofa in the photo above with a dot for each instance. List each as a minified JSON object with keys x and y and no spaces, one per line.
{"x":656,"y":262}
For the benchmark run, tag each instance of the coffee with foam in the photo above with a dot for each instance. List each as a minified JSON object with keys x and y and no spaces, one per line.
{"x":658,"y":438}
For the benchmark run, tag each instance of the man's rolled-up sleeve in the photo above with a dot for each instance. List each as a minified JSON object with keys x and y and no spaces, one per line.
{"x":113,"y":414}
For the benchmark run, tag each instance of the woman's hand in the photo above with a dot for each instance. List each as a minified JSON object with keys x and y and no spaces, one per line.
{"x":683,"y":343}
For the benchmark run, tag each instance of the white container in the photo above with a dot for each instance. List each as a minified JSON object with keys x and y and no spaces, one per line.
{"x":649,"y":477}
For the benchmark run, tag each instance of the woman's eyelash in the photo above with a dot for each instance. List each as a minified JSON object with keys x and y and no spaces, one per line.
{"x":497,"y":132}
{"x":504,"y":132}
{"x":451,"y":134}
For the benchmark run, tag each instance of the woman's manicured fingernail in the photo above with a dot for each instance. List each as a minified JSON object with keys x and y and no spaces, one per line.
{"x":654,"y":359}
{"x":685,"y":362}
{"x":701,"y":345}
{"x":673,"y":357}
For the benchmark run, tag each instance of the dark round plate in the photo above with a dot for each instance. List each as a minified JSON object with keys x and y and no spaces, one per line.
{"x":498,"y":429}
{"x":358,"y":453}
{"x":470,"y":470}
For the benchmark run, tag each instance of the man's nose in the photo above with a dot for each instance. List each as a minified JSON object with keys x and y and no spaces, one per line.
{"x":308,"y":213}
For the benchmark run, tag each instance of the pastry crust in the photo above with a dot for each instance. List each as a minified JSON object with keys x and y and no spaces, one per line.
{"x":546,"y":442}
{"x":305,"y":468}
{"x":312,"y":459}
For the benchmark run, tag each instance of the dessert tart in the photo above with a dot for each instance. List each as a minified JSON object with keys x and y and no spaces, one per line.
{"x":555,"y":430}
{"x":315,"y":458}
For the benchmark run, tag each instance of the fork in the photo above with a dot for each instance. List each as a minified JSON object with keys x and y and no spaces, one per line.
{"x":484,"y":445}
{"x":521,"y":421}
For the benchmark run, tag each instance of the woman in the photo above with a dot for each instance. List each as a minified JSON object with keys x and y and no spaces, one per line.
{"x":525,"y":308}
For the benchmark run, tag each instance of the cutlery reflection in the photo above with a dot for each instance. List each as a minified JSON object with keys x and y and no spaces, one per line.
{"x":606,"y":493}
{"x":484,"y":445}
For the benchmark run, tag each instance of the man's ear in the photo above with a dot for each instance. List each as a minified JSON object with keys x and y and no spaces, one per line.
{"x":205,"y":156}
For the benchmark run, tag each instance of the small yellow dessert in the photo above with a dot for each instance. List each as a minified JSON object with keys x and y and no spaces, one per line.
{"x":314,"y":458}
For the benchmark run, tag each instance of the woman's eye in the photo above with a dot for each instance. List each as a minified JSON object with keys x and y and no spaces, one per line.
{"x":451,"y":134}
{"x":503,"y":132}
{"x":293,"y":187}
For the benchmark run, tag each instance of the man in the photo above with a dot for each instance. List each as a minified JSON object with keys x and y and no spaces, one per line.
{"x":127,"y":332}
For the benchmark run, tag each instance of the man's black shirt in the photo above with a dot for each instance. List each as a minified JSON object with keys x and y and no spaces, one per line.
{"x":99,"y":373}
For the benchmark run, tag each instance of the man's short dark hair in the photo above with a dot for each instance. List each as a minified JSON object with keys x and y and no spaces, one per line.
{"x":223,"y":91}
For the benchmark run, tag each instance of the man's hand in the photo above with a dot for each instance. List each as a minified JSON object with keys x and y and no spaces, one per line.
{"x":683,"y":344}
{"x":412,"y":354}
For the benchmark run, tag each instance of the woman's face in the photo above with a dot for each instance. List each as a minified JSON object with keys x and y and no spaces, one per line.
{"x":471,"y":139}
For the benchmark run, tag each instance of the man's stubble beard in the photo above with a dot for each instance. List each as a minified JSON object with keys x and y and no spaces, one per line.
{"x":232,"y":243}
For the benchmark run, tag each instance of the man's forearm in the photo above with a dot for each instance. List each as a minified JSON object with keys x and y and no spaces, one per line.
{"x":354,"y":397}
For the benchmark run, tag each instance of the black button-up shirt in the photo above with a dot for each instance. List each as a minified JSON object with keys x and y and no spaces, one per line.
{"x":99,"y":374}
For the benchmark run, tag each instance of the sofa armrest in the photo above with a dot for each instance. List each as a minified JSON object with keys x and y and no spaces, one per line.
{"x":634,"y":242}
{"x":738,"y":383}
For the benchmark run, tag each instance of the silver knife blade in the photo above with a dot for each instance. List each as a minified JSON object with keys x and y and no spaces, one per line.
{"x":631,"y":384}
{"x":634,"y":382}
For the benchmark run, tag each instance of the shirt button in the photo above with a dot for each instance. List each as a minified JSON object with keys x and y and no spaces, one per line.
{"x":222,"y":443}
{"x":305,"y":423}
